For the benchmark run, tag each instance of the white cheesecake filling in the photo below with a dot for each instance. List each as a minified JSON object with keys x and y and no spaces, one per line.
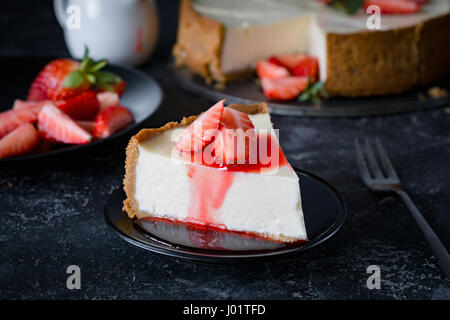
{"x":259,"y":203}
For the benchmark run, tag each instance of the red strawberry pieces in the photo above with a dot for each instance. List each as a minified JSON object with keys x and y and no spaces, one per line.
{"x":11,"y":119}
{"x":111,"y":120}
{"x":108,"y":99}
{"x":21,"y":140}
{"x":266,"y":69}
{"x":289,"y":61}
{"x":307,"y":67}
{"x":394,"y":6}
{"x":82,"y":107}
{"x":288,"y":76}
{"x":119,"y":88}
{"x":60,"y":127}
{"x":49,"y":83}
{"x":200,"y":132}
{"x":286,"y":88}
{"x":236,"y":138}
{"x":35,"y":106}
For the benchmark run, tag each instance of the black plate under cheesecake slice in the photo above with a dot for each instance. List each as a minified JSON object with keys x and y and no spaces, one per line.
{"x":323,"y":208}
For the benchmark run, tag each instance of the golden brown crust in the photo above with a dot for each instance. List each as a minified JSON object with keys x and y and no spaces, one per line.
{"x":358,"y":64}
{"x":366,"y":63}
{"x":199,"y":42}
{"x":132,"y":152}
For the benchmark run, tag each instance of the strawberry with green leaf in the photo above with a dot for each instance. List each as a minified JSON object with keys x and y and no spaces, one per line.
{"x":64,"y":79}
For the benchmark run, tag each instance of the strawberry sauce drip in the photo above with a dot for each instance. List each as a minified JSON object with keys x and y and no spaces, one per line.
{"x":209,"y":188}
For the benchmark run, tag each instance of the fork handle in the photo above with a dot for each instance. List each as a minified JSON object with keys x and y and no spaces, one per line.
{"x":433,"y":241}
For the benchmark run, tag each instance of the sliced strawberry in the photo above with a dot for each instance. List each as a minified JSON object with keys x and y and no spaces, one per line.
{"x":394,"y":6}
{"x":11,"y":119}
{"x":266,"y":69}
{"x":234,"y":119}
{"x":108,"y":99}
{"x":289,"y":61}
{"x":19,"y":141}
{"x":235,"y":139}
{"x":35,"y":106}
{"x":83,"y":107}
{"x":61,"y":127}
{"x":309,"y":66}
{"x":111,"y":120}
{"x":201,"y":131}
{"x":86,"y":125}
{"x":284,"y":88}
{"x":119,"y":88}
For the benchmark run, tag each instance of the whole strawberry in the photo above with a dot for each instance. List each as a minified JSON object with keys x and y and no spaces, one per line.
{"x":64,"y":79}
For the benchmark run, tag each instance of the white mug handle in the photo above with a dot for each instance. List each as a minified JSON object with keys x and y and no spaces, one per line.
{"x":60,"y":11}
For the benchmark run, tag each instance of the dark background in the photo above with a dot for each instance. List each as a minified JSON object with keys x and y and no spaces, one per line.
{"x":52,"y":213}
{"x":29,"y":27}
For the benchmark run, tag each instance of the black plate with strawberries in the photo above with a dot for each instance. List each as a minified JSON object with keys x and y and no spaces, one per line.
{"x":70,"y":106}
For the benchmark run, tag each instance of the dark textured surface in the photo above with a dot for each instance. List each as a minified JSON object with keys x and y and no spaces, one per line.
{"x":52,"y":216}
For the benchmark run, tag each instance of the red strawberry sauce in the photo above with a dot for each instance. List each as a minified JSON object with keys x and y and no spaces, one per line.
{"x":209,"y":188}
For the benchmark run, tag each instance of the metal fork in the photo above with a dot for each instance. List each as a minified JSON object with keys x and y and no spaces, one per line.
{"x":385,"y":179}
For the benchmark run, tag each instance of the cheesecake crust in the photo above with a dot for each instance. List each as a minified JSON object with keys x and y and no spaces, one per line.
{"x":366,"y":63}
{"x":131,"y":205}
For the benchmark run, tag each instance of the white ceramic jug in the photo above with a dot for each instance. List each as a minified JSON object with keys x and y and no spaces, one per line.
{"x":124,"y":31}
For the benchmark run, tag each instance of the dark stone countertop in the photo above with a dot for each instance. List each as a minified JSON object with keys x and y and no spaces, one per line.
{"x":52,"y":217}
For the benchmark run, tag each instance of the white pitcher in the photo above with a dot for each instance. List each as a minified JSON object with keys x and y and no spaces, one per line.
{"x":124,"y":31}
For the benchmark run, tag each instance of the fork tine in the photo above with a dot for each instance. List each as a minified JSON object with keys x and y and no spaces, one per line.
{"x":361,"y":162}
{"x":388,"y":167}
{"x":373,"y":161}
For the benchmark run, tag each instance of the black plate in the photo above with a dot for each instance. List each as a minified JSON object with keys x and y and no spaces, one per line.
{"x":142,"y":97}
{"x":324,"y":213}
{"x":247,"y":92}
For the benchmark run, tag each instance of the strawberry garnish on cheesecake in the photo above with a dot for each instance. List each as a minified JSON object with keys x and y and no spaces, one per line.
{"x":234,"y":130}
{"x":195,"y":137}
{"x":285,"y":77}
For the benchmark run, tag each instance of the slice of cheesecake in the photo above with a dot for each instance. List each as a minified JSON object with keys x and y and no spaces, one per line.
{"x":252,"y":189}
{"x":223,"y":40}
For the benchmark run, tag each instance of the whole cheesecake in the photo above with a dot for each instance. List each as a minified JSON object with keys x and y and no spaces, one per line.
{"x":223,"y":40}
{"x":257,"y":198}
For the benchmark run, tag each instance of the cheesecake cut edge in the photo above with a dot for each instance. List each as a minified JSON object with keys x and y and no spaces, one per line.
{"x":130,"y":205}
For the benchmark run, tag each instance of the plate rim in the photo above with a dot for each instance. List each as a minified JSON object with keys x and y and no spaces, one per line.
{"x":84,"y":147}
{"x":219,"y":258}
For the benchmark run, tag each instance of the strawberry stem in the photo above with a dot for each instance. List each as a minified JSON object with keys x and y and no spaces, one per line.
{"x":90,"y":71}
